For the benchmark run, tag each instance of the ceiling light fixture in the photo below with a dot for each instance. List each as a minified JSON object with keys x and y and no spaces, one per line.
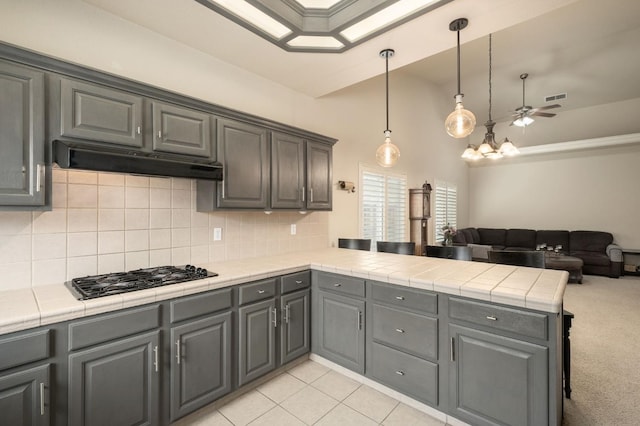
{"x":387,"y":154}
{"x":488,"y":148}
{"x":461,"y":122}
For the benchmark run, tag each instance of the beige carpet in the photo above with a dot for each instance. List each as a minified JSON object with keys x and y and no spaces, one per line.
{"x":605,"y":352}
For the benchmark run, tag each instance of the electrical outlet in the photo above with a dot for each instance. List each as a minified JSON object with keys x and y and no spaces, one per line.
{"x":217,"y":234}
{"x":293,"y":229}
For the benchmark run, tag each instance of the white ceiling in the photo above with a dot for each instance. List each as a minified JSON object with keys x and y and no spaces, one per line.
{"x":587,"y":48}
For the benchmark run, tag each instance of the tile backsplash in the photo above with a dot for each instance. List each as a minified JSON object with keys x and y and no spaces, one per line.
{"x":109,"y":222}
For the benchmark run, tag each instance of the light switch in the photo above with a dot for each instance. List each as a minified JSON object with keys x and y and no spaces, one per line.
{"x":217,"y":234}
{"x":293,"y":229}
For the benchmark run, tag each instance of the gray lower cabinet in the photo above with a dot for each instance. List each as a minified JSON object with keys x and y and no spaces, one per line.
{"x":497,"y":380}
{"x":337,"y":319}
{"x":295,"y":329}
{"x":180,"y":130}
{"x":319,"y":176}
{"x":116,"y":383}
{"x":97,"y":113}
{"x":243,"y":150}
{"x":200,"y":363}
{"x":22,"y":161}
{"x":257,"y":325}
{"x":287,"y":172}
{"x":23,"y":397}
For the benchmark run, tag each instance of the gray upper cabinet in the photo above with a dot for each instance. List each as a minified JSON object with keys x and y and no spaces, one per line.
{"x":21,"y":136}
{"x":200,"y":363}
{"x":180,"y":130}
{"x":243,"y":150}
{"x":287,"y":172}
{"x":319,"y":176}
{"x":98,"y":113}
{"x":23,"y":397}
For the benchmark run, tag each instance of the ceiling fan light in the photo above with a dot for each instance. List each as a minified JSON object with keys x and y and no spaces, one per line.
{"x":461,"y":122}
{"x":387,"y":154}
{"x":523,"y":121}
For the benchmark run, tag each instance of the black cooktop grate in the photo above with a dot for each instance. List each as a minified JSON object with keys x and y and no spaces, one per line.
{"x":94,"y":286}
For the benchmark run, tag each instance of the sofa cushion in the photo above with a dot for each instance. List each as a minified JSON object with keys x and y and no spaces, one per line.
{"x":596,"y":241}
{"x":522,"y":239}
{"x":475,"y":235}
{"x":592,"y":257}
{"x":460,"y":237}
{"x":492,"y":236}
{"x":554,"y":238}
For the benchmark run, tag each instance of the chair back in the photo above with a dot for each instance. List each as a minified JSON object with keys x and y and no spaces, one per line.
{"x":395,"y":247}
{"x":354,"y":243}
{"x":449,"y":252}
{"x":534,"y":259}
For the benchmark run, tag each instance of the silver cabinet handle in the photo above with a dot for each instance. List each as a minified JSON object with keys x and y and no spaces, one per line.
{"x":303,"y":192}
{"x":399,"y":330}
{"x":260,"y":291}
{"x":298,"y":282}
{"x":337,"y":285}
{"x":275,"y":317}
{"x":492,"y":318}
{"x":359,"y":320}
{"x":159,"y":134}
{"x":42,"y":399}
{"x":222,"y":186}
{"x":155,"y":358}
{"x":400,"y":373}
{"x":139,"y":130}
{"x":287,"y":313}
{"x":311,"y":195}
{"x":39,"y":176}
{"x":399,"y":297}
{"x":178,"y":351}
{"x":452,"y":351}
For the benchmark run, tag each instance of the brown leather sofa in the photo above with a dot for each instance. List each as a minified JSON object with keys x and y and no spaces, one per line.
{"x":601,"y":256}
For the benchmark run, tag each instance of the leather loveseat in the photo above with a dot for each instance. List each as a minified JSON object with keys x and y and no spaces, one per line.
{"x":596,"y":249}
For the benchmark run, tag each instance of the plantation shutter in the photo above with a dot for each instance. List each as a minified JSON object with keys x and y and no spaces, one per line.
{"x":446,"y":207}
{"x":383,"y":206}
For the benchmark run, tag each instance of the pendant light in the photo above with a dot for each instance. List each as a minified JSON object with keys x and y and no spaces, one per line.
{"x":387,"y":154}
{"x":461,"y":122}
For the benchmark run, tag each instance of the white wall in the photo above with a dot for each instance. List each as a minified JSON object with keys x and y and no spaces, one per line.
{"x":590,"y":190}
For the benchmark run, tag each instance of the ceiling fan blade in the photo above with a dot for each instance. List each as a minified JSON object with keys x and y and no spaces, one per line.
{"x":543,"y":114}
{"x":549,"y":107}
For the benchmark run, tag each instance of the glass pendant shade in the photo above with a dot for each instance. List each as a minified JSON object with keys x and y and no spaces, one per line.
{"x":461,"y":122}
{"x":523,"y":121}
{"x":508,"y":148}
{"x":485,"y":148}
{"x":387,"y":154}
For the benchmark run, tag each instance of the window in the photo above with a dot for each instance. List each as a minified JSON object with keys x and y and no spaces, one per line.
{"x":446,"y":207}
{"x":383,"y":205}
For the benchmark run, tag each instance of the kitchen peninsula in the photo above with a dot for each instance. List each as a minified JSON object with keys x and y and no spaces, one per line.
{"x":484,"y":339}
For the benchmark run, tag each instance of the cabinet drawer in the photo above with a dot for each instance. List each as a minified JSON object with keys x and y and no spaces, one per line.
{"x":256,"y":291}
{"x":341,"y":284}
{"x":409,"y":332}
{"x":200,"y":304}
{"x":294,"y":282}
{"x":516,"y":321}
{"x":405,"y":373}
{"x":23,"y":349}
{"x":422,"y":301}
{"x":113,"y":326}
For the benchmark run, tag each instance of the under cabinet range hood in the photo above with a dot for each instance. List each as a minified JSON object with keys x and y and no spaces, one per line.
{"x":70,"y":155}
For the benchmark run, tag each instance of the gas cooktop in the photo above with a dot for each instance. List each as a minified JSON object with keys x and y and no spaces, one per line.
{"x":94,"y":286}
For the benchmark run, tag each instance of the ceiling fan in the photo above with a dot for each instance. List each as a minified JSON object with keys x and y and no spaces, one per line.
{"x":523,"y":115}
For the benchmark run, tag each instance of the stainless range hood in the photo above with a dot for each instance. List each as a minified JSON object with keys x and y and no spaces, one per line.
{"x":70,"y":155}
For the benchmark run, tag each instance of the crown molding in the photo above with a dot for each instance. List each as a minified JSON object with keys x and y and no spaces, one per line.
{"x":604,"y":142}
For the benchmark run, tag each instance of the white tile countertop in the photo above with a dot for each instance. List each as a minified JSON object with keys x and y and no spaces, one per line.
{"x":538,"y":289}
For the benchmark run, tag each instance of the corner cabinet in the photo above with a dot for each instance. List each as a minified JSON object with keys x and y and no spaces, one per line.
{"x":21,"y":136}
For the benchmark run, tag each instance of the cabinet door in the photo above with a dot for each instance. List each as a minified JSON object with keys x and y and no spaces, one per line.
{"x":287,"y":172}
{"x":319,"y":176}
{"x":340,"y":330}
{"x":21,"y":136}
{"x":257,"y":338}
{"x":100,"y":114}
{"x":200,"y":363}
{"x":294,"y":333}
{"x":180,"y":130}
{"x":116,"y":383}
{"x":23,"y":397}
{"x":243,"y":150}
{"x":495,"y":380}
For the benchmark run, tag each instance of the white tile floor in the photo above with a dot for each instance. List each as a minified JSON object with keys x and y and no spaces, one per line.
{"x":311,"y":394}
